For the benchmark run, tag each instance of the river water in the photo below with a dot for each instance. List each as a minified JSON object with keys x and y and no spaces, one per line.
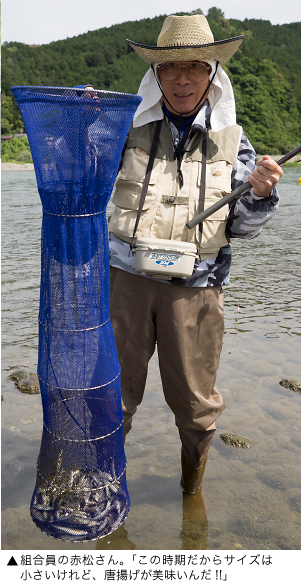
{"x":250,"y":497}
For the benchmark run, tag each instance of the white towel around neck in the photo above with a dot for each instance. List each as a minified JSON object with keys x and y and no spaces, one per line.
{"x":220,"y":97}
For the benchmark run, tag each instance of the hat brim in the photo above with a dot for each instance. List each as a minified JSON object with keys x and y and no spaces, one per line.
{"x":221,"y":50}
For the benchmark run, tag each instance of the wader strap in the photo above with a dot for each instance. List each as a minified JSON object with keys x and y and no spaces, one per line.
{"x":149,"y":168}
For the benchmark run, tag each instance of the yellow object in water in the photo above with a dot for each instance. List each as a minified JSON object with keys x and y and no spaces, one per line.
{"x":300,"y":181}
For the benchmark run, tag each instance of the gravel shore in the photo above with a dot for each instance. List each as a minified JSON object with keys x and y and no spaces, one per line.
{"x":30,"y":166}
{"x":16,"y":166}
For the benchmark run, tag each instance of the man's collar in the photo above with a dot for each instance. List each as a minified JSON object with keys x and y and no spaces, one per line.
{"x":201,"y":118}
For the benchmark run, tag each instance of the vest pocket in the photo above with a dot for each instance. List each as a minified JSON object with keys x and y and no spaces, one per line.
{"x":127,"y":195}
{"x":219,"y":215}
{"x":134,"y":165}
{"x":126,"y":200}
{"x":218,"y":176}
{"x":130,"y":181}
{"x":213,"y":234}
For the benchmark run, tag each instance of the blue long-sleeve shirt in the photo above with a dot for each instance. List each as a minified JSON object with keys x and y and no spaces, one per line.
{"x":247,"y":216}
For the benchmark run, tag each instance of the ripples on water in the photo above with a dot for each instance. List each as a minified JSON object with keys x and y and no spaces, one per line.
{"x":251,"y":497}
{"x":268,"y":268}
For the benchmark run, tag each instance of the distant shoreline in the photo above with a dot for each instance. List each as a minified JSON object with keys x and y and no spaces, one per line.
{"x":6,"y":166}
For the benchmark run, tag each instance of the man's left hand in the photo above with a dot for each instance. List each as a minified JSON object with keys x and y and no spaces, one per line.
{"x":265,"y":177}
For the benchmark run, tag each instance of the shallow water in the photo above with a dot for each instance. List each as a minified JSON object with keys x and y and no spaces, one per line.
{"x":250,"y":497}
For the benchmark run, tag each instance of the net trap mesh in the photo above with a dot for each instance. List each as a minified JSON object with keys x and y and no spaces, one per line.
{"x":76,"y":139}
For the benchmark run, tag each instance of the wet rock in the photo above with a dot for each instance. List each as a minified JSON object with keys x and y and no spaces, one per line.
{"x":291,"y":384}
{"x":25,"y":381}
{"x":235,"y":440}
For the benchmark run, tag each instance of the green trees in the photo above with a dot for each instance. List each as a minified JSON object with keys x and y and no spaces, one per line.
{"x":264,"y":71}
{"x":11,"y":120}
{"x":16,"y":149}
{"x":265,"y":105}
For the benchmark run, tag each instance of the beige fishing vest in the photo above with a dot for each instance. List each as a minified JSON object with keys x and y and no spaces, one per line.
{"x":167,"y":208}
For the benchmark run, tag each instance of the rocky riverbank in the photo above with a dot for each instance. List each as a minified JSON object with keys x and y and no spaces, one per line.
{"x":16,"y":166}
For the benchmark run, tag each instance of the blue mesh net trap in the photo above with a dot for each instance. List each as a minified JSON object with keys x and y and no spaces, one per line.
{"x":76,"y":139}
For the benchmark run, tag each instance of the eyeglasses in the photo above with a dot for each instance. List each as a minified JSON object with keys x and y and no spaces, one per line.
{"x":195,"y":71}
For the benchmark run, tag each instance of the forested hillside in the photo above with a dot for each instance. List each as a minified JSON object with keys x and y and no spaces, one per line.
{"x":264,"y":72}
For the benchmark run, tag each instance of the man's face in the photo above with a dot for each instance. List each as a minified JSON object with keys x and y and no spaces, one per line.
{"x":184,"y":87}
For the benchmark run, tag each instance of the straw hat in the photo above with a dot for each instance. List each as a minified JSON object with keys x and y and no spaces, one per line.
{"x":185,"y":38}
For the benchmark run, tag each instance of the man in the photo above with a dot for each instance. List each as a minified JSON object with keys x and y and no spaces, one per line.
{"x":184,"y":151}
